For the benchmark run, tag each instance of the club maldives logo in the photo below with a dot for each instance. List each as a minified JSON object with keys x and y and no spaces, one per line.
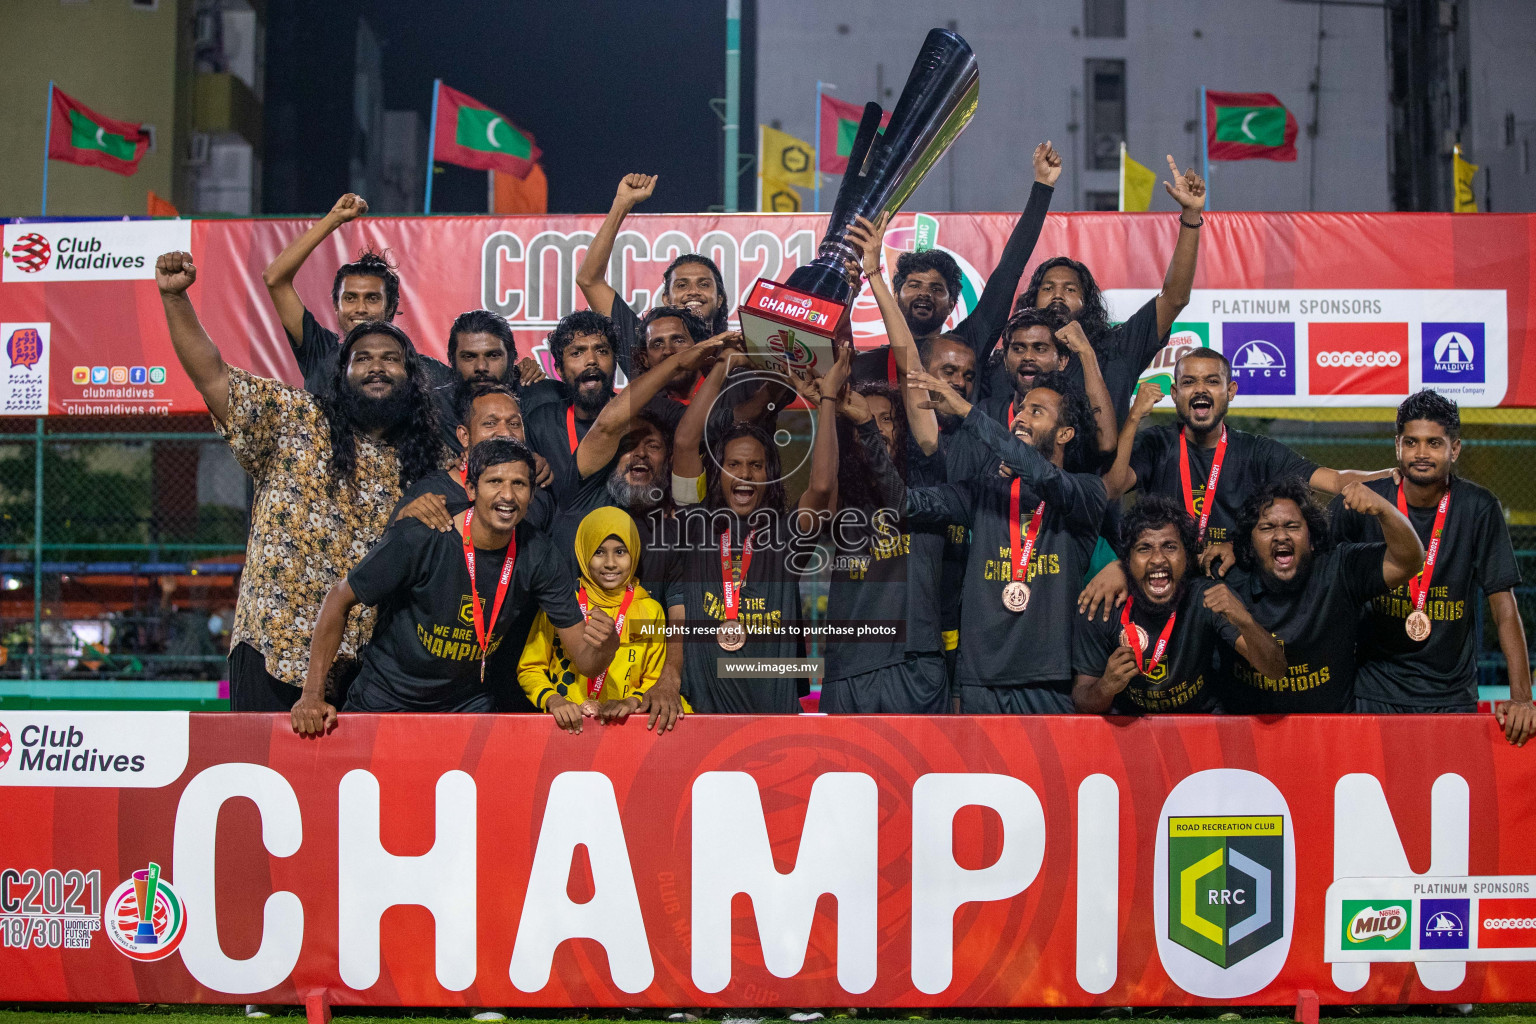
{"x":30,"y":252}
{"x":1453,"y":353}
{"x":144,"y":918}
{"x":5,"y":745}
{"x":1226,"y":879}
{"x":795,"y":352}
{"x":1377,"y":924}
{"x":1263,"y":357}
{"x":25,"y":347}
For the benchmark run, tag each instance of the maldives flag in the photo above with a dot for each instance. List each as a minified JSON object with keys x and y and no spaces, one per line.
{"x":471,"y":134}
{"x":81,"y":136}
{"x":1248,"y":126}
{"x":839,"y":126}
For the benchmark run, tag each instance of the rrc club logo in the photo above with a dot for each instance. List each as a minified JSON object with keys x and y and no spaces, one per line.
{"x":144,"y":917}
{"x":30,"y":252}
{"x":1226,"y":885}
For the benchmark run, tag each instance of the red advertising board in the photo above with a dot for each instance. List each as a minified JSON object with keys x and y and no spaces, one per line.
{"x":1463,"y":285}
{"x":886,"y":861}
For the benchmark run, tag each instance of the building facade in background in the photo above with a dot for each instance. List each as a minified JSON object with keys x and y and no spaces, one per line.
{"x":1381,"y":91}
{"x":191,"y":69}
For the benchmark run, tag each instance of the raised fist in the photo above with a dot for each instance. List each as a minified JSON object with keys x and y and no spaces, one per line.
{"x":175,"y":272}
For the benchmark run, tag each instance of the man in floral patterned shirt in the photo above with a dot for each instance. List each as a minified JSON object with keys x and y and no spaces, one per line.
{"x":328,"y":472}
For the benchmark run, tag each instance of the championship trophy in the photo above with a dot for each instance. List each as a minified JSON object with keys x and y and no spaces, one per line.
{"x":800,"y":324}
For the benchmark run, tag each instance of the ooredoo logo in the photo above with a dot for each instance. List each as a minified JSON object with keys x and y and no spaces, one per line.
{"x":1506,"y":924}
{"x":30,"y":252}
{"x":1359,"y":358}
{"x":144,"y":917}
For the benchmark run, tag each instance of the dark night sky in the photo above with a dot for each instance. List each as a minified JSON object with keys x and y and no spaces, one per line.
{"x":606,"y":88}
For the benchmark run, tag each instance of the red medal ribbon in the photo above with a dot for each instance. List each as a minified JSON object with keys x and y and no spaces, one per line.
{"x":890,"y":364}
{"x":482,"y":631}
{"x":570,"y":427}
{"x":1021,"y":553}
{"x":1133,"y":638}
{"x":595,"y":684}
{"x":1210,"y":482}
{"x":731,"y":582}
{"x":1418,"y":587}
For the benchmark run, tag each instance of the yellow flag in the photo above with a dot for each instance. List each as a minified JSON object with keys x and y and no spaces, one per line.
{"x":777,"y":197}
{"x":784,"y":158}
{"x":1466,"y":199}
{"x":1136,"y":183}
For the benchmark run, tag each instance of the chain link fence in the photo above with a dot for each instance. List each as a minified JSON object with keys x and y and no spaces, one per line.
{"x":121,"y":544}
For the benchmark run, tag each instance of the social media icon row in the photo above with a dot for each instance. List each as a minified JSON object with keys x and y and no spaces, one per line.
{"x":118,"y":375}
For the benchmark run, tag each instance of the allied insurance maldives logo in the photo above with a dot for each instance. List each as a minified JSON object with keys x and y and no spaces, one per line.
{"x":1226,"y":877}
{"x":144,"y":917}
{"x":30,"y":252}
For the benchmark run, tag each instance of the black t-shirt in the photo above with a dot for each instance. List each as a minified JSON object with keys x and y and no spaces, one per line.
{"x":424,"y":655}
{"x":1251,"y":461}
{"x":627,"y":324}
{"x":1183,"y":680}
{"x":981,"y":328}
{"x":1475,"y":559}
{"x":320,"y":347}
{"x":1125,"y":351}
{"x":1315,"y":624}
{"x":769,"y":610}
{"x":450,"y":485}
{"x":548,"y":425}
{"x":1033,"y":647}
{"x":884,"y":582}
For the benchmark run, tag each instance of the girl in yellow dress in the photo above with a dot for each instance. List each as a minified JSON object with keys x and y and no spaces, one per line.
{"x":608,"y":551}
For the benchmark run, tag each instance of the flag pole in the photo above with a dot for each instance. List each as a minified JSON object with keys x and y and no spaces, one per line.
{"x":1122,"y":175}
{"x":760,"y":144}
{"x":1205,"y":151}
{"x":47,"y":141}
{"x":816,"y":178}
{"x":437,"y":85}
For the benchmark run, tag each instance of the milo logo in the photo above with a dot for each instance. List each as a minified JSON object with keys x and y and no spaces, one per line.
{"x":1376,"y":927}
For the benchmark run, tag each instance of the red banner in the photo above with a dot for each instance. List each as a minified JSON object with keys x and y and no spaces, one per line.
{"x":495,"y":861}
{"x":1398,"y":301}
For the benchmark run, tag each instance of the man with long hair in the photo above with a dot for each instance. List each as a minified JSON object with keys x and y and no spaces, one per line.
{"x":480,"y":343}
{"x":691,"y":281}
{"x":1125,"y":350}
{"x":927,"y":283}
{"x":328,"y":470}
{"x":1157,"y":655}
{"x":1418,"y":644}
{"x":1309,"y":593}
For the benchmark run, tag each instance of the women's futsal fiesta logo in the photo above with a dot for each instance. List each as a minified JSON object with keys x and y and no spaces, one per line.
{"x":144,"y":917}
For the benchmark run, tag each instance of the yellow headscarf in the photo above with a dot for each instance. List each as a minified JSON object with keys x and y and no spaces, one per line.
{"x":597,"y":527}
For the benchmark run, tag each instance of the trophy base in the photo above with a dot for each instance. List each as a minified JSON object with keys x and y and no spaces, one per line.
{"x":826,"y":277}
{"x":791,"y":330}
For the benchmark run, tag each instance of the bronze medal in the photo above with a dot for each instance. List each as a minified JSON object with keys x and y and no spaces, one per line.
{"x":731,"y":635}
{"x":1141,"y":636}
{"x":1417,"y":626}
{"x":1016,"y":596}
